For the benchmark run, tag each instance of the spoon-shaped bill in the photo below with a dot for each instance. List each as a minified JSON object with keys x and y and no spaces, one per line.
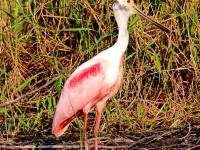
{"x":139,"y":12}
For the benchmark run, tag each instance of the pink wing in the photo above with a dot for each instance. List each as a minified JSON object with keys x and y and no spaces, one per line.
{"x":79,"y":90}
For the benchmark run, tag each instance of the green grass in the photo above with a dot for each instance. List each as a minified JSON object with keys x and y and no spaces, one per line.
{"x":41,"y":40}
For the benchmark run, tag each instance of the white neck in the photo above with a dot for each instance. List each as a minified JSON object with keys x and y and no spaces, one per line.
{"x":123,"y":36}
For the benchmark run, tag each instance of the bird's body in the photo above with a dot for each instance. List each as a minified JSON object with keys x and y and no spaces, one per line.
{"x":94,"y":82}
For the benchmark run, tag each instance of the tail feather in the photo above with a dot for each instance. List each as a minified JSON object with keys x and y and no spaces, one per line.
{"x":62,"y":127}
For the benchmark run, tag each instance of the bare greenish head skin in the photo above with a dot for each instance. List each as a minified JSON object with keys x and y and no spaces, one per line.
{"x":133,"y":9}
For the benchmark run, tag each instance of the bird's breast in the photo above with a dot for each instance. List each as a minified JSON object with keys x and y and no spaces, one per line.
{"x":114,"y":71}
{"x":112,"y":59}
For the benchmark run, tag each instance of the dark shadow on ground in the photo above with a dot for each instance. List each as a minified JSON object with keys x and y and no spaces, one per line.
{"x":166,"y":138}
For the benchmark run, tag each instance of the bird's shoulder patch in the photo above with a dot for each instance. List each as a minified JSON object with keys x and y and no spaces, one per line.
{"x":93,"y":70}
{"x":104,"y":61}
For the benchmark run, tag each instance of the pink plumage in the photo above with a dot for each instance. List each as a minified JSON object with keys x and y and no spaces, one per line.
{"x":81,"y":92}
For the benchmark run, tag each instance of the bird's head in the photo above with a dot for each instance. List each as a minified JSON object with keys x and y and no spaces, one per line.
{"x":128,"y":5}
{"x":130,"y":8}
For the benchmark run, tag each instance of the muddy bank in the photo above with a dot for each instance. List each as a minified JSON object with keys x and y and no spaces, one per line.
{"x":166,"y":138}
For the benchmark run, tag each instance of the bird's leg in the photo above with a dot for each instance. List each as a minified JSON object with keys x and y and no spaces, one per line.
{"x":99,"y":109}
{"x":96,"y":129}
{"x":85,"y":131}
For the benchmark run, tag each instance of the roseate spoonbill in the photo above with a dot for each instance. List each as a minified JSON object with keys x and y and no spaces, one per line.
{"x":96,"y":80}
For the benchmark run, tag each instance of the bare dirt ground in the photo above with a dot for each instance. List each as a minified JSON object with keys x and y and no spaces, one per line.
{"x":166,"y":138}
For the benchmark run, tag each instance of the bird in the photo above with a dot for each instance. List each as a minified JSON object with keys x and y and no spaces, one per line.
{"x":96,"y":80}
